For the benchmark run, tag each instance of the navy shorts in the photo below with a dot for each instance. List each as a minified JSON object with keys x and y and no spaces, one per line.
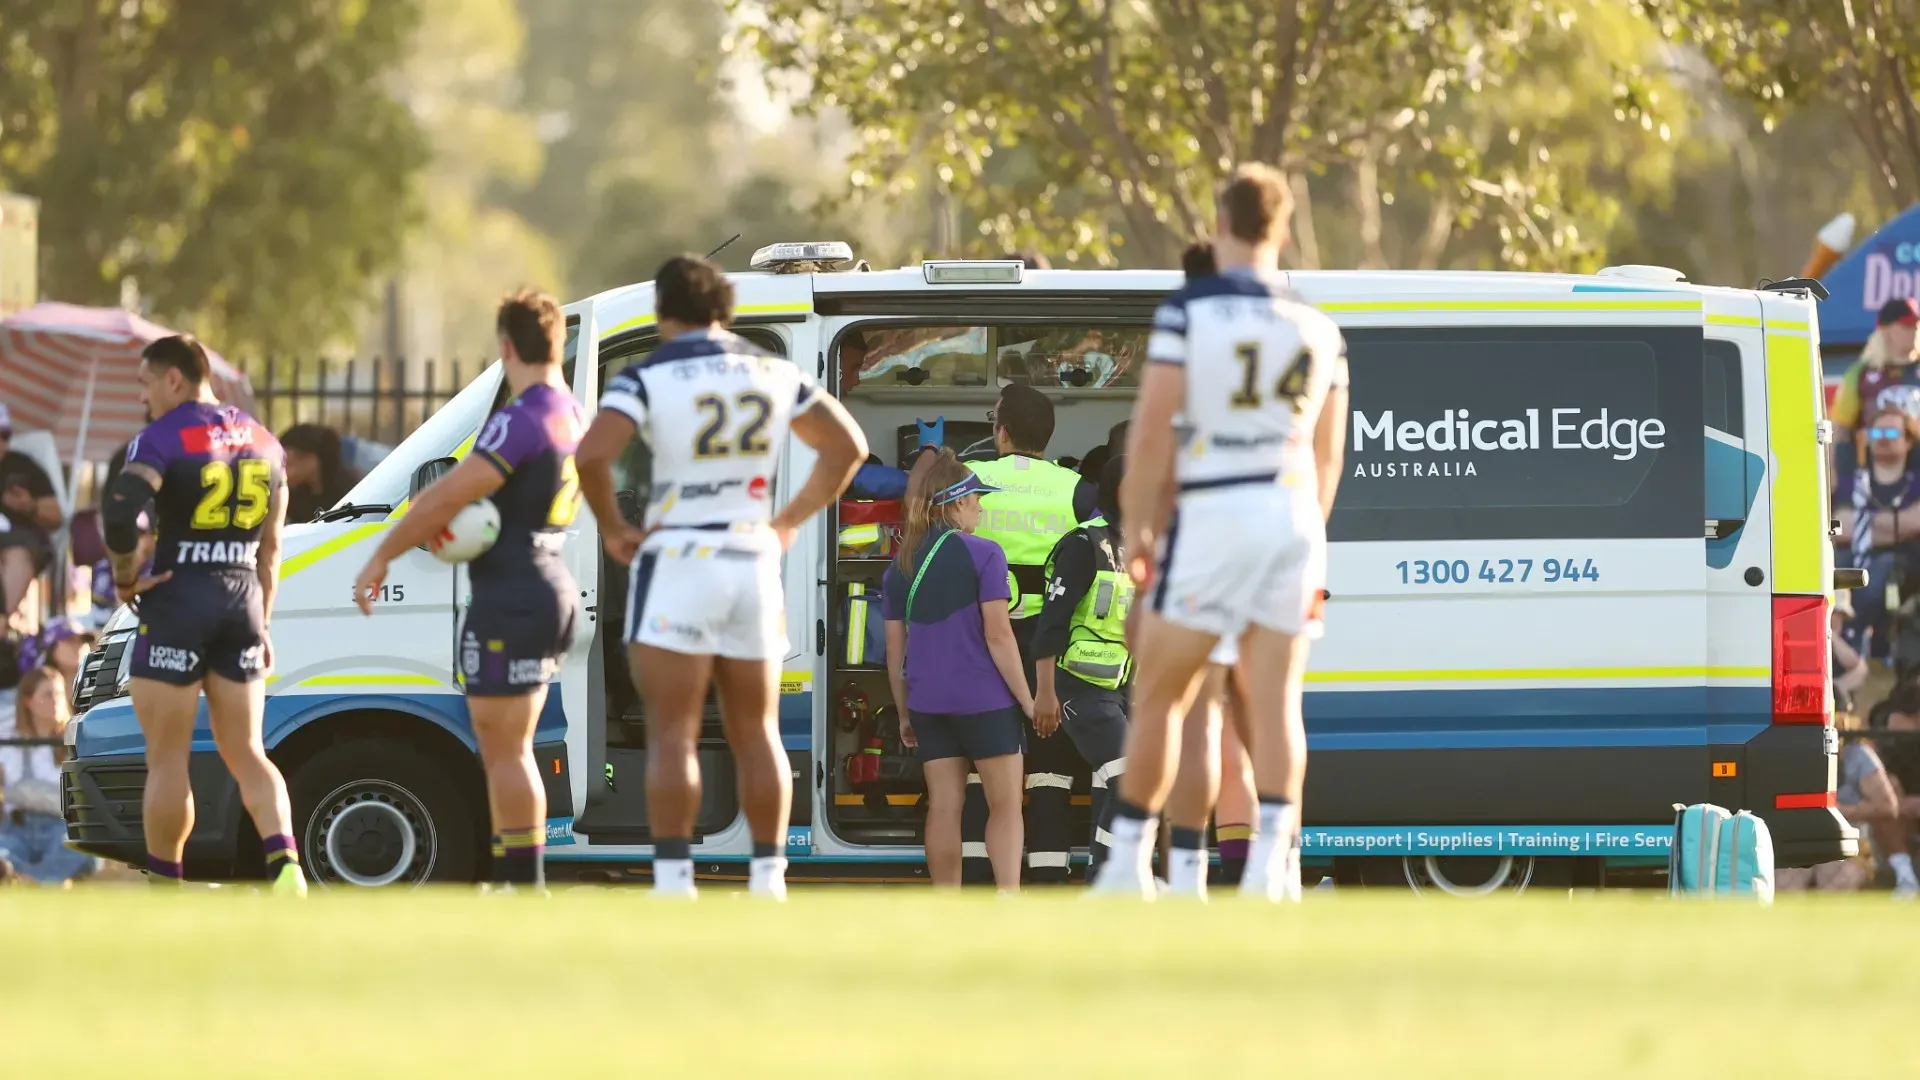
{"x":514,"y":638}
{"x":1096,"y":721}
{"x":974,"y":736}
{"x":201,"y":623}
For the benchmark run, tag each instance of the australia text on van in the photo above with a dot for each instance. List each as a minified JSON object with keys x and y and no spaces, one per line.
{"x":1457,"y":430}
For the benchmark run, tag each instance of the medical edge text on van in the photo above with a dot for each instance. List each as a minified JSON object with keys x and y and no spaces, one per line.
{"x":1457,"y":430}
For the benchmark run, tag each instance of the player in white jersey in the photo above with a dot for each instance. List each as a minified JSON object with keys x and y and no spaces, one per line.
{"x":705,"y":603}
{"x":1244,"y":407}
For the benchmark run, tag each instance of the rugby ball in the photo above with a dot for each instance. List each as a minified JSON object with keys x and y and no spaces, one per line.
{"x":468,"y":536}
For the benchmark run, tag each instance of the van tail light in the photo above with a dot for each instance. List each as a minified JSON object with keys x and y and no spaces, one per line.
{"x":1801,"y":659}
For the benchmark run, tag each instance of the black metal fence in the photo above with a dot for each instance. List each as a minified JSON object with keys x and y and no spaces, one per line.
{"x":378,"y":399}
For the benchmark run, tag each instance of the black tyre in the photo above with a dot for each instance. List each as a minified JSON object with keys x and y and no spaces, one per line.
{"x":374,"y":813}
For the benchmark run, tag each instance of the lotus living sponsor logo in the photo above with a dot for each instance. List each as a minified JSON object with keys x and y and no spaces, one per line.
{"x":170,"y":658}
{"x":707,"y":490}
{"x":1458,"y":431}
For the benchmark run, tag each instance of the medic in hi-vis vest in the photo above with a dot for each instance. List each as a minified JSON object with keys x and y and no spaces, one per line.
{"x":1081,"y":664}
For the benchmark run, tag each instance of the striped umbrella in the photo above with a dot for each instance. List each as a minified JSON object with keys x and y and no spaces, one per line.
{"x":74,"y":371}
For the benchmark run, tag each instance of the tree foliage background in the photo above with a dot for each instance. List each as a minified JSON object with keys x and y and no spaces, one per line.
{"x":300,"y":175}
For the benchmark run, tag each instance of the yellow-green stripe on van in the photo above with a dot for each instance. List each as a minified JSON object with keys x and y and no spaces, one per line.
{"x":1799,"y":496}
{"x":1365,"y":307}
{"x":294,"y":564}
{"x":1610,"y":674}
{"x":744,"y":311}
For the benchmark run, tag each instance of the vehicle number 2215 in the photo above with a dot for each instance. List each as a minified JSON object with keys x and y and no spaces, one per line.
{"x":1496,"y":571}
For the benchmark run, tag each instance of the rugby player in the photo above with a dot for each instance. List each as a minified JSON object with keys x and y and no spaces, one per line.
{"x":705,"y":605}
{"x":1255,"y":380}
{"x":1213,"y":770}
{"x":217,"y":480}
{"x":525,"y":603}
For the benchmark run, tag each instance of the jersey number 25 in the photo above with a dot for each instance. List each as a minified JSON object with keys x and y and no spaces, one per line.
{"x":1292,"y":387}
{"x":217,"y":481}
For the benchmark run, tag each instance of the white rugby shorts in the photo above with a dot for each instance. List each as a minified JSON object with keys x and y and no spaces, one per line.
{"x":1232,"y":560}
{"x":708,"y":594}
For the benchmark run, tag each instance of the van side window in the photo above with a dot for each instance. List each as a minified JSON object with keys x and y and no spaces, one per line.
{"x":1721,"y":403}
{"x":1522,"y":433}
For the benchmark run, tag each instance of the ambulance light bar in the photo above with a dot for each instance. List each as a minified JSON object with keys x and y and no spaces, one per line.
{"x":813,"y":254}
{"x":974,"y":272}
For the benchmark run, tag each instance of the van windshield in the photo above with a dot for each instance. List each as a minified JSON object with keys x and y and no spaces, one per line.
{"x":386,"y":483}
{"x":1079,"y":355}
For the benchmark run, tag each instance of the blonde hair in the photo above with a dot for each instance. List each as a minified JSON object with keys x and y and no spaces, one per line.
{"x":930,"y":476}
{"x":27,"y":723}
{"x":1875,"y":353}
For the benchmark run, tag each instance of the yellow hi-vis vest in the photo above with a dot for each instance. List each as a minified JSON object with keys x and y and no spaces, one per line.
{"x":1096,"y":639}
{"x":1028,"y":515}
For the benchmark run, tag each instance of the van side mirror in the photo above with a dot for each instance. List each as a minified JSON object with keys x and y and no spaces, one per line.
{"x":427,"y":473}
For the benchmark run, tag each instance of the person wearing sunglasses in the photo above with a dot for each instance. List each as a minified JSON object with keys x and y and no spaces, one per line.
{"x":1884,"y":533}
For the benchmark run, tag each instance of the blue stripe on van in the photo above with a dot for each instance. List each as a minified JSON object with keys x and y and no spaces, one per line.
{"x":1573,"y":717}
{"x":796,"y":720}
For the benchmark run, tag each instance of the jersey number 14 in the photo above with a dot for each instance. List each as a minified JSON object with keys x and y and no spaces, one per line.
{"x":1292,"y":387}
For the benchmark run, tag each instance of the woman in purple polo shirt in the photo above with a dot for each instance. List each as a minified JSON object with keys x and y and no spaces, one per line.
{"x":955,"y":666}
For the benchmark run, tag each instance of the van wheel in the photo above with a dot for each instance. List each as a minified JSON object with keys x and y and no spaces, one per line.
{"x":1467,"y":875}
{"x":373,"y":813}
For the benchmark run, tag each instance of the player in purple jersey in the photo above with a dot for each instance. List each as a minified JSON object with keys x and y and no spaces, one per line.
{"x":525,"y":603}
{"x":217,"y":480}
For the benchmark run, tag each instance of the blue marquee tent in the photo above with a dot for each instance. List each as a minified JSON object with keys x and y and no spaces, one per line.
{"x":1884,"y":266}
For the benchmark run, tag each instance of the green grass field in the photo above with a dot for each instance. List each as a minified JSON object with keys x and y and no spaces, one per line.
{"x":124,"y":983}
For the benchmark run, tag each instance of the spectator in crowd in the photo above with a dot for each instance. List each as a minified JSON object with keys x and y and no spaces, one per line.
{"x":1884,"y":533}
{"x":316,"y":475}
{"x":1849,"y":667}
{"x":1885,"y":376}
{"x":60,"y":645}
{"x":1867,"y":799}
{"x":1893,"y":837}
{"x":954,"y":666}
{"x":29,"y":515}
{"x":32,"y":832}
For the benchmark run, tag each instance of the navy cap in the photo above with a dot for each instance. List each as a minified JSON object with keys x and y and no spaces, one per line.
{"x":972,"y":485}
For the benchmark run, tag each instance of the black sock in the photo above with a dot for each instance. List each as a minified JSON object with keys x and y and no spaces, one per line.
{"x":162,"y":872}
{"x":1187,"y":839}
{"x":519,"y":862}
{"x":764,"y":851}
{"x":673,"y":847}
{"x":1124,"y":809}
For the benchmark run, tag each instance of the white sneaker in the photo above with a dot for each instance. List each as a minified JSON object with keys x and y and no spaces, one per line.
{"x":1906,"y":890}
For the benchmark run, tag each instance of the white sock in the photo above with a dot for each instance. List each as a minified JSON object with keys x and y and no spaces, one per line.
{"x":673,"y":877}
{"x":767,"y":876}
{"x":1187,"y":872}
{"x":1131,"y":847}
{"x":1901,"y":864}
{"x":1271,"y":841}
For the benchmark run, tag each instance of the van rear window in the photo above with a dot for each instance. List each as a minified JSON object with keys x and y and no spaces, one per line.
{"x":1522,"y":433}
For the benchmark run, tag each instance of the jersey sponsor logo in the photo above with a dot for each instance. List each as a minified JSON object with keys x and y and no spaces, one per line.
{"x":1905,"y":398}
{"x":222,"y":552}
{"x":213,"y":439}
{"x":708,"y":490}
{"x":172,"y":658}
{"x":1457,"y":430}
{"x":531,"y":672}
{"x":494,"y":435}
{"x":757,"y":488}
{"x":660,"y":624}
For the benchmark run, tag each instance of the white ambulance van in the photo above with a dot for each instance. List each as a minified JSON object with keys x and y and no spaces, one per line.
{"x":1580,"y":573}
